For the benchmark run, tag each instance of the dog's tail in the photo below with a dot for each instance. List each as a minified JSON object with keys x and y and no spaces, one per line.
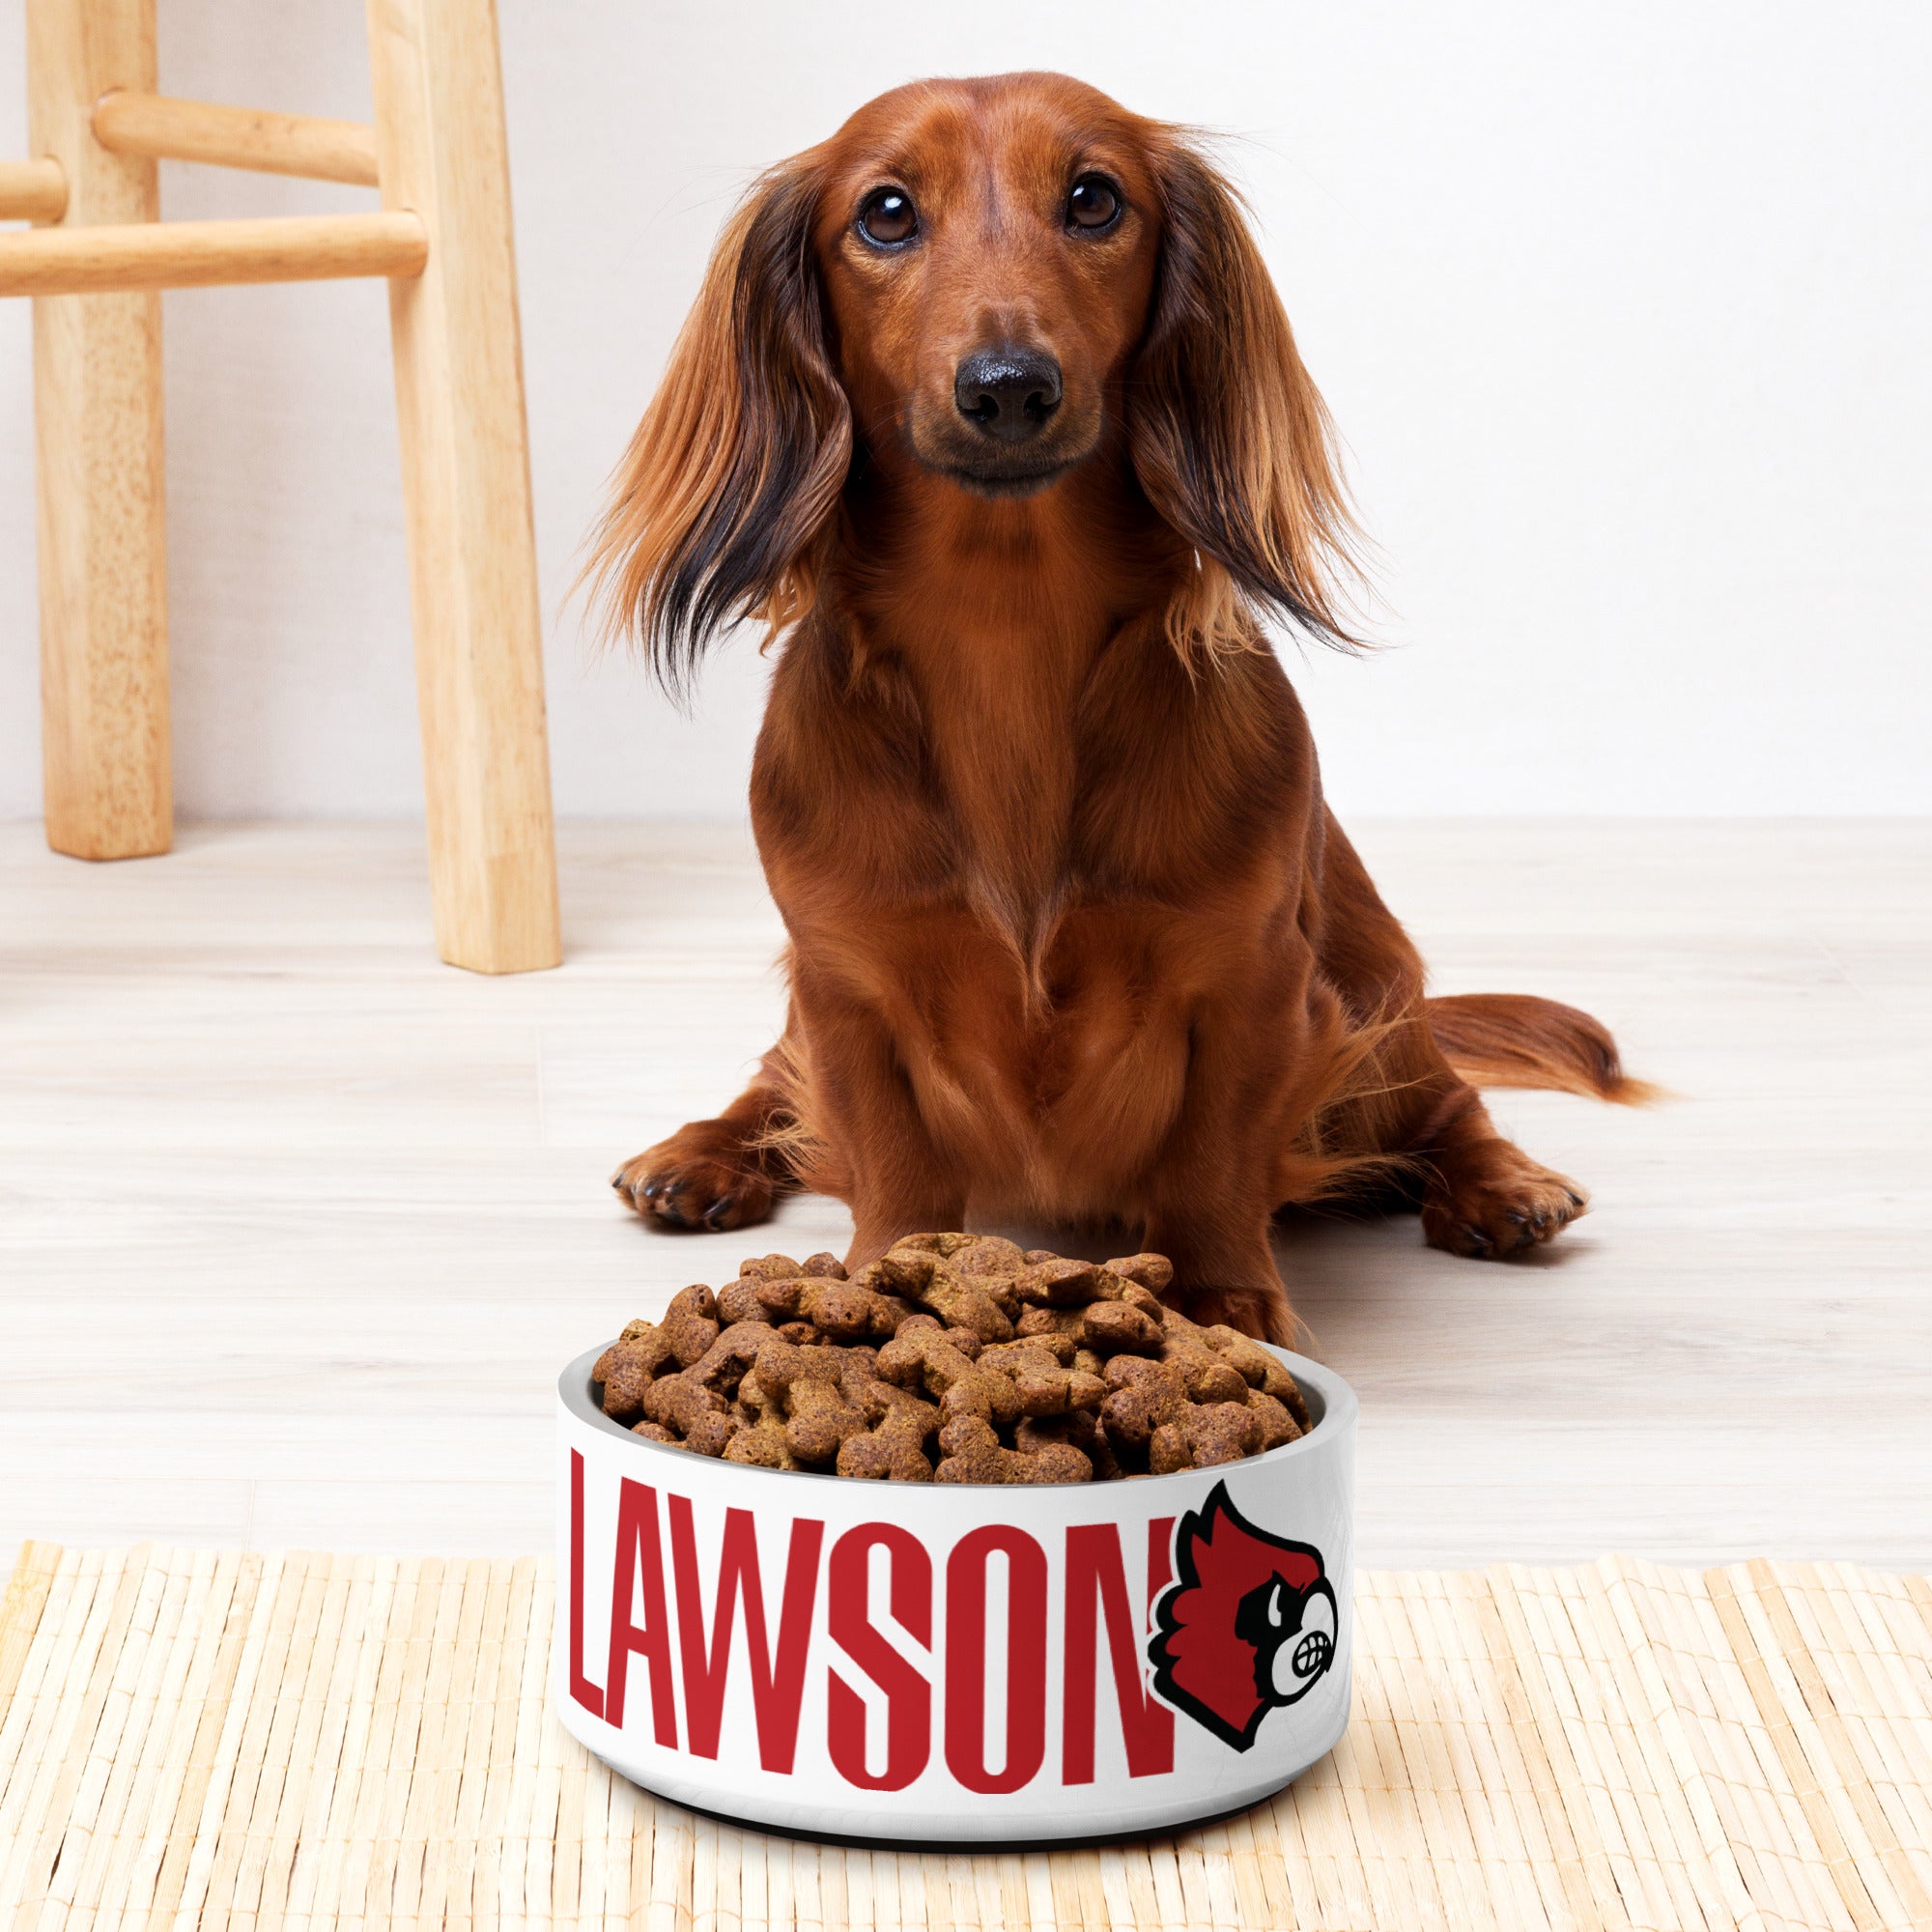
{"x":1514,"y":1040}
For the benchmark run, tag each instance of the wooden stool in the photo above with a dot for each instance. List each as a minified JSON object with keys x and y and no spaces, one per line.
{"x":443,"y":237}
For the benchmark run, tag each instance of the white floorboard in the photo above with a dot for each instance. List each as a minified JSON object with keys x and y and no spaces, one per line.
{"x":297,"y":1225}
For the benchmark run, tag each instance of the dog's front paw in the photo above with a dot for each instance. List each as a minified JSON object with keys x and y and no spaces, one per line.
{"x":692,"y":1180}
{"x":1492,"y":1200}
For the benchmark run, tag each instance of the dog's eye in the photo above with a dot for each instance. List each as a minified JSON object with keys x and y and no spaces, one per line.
{"x":889,"y":217}
{"x":1093,"y":204}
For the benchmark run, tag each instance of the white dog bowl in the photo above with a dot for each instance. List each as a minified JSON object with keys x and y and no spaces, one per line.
{"x":966,"y":1663}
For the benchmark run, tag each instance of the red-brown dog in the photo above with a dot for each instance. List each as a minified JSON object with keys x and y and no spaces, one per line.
{"x":989,"y":407}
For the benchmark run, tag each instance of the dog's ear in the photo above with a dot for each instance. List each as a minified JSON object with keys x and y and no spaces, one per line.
{"x":719,"y":505}
{"x":1229,"y":437}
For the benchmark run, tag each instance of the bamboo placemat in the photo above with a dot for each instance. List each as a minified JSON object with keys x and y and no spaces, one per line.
{"x":191,"y":1738}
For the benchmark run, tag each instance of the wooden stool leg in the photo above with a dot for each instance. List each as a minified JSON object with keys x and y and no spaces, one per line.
{"x":466,"y":479}
{"x":98,"y":434}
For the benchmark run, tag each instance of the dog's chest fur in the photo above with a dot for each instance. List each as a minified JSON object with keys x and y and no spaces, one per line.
{"x":1024,"y":877}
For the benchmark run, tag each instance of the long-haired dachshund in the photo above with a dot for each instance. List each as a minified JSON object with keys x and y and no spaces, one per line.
{"x":989,"y":410}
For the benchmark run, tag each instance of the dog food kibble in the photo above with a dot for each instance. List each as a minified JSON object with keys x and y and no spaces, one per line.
{"x":953,"y":1358}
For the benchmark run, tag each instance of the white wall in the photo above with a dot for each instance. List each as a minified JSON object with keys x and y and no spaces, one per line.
{"x":1622,"y":311}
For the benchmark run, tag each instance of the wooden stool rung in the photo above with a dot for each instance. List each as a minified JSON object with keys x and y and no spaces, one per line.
{"x":200,"y":255}
{"x":127,"y":122}
{"x":32,"y":191}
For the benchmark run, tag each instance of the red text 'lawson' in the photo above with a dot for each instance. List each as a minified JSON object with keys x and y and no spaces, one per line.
{"x":663,"y":1653}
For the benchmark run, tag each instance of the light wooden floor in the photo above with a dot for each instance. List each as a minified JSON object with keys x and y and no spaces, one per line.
{"x":297,"y":1225}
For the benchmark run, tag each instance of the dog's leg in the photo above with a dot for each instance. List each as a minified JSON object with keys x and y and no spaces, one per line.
{"x":881,"y":1156}
{"x":1207,"y":1197}
{"x":1223,"y":1269}
{"x":1482,"y":1196}
{"x":718,"y":1174}
{"x":1479,"y":1193}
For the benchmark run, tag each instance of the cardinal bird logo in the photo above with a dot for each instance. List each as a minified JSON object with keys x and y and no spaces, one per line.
{"x":1248,"y":1627}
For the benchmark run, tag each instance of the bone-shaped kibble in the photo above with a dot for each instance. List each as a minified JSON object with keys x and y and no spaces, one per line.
{"x":738,"y":1300}
{"x":990,"y":1256}
{"x":845,"y":1311}
{"x":1277,"y":1422}
{"x":1036,"y":1324}
{"x":699,"y":1414}
{"x":1153,"y":1272}
{"x":755,"y":1400}
{"x":1028,"y":1366}
{"x":819,"y":1418}
{"x":627,"y":1368}
{"x":1066,"y":1284}
{"x":1133,"y":1322}
{"x":919,"y":1276}
{"x":781,"y":1364}
{"x":974,"y":1454}
{"x":724,"y":1364}
{"x":761,"y":1444}
{"x":920,"y":1358}
{"x":769,"y":1268}
{"x":1205,"y":1436}
{"x":941,"y":1246}
{"x":1257,"y":1368}
{"x":1117,"y":1328}
{"x":964,"y":1340}
{"x":1213,"y":1380}
{"x":875,"y":1399}
{"x":894,"y":1449}
{"x":1042,"y":1384}
{"x":992,"y":1265}
{"x":690,"y":1323}
{"x":1208,"y":1376}
{"x":1145,"y":1396}
{"x":1079,"y":1429}
{"x":859,"y":1376}
{"x":1060,"y":1343}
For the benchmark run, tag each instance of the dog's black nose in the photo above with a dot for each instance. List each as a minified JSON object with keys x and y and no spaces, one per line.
{"x":1009,"y":393}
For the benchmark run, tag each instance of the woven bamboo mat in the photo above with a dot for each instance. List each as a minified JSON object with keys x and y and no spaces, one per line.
{"x":191,"y":1738}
